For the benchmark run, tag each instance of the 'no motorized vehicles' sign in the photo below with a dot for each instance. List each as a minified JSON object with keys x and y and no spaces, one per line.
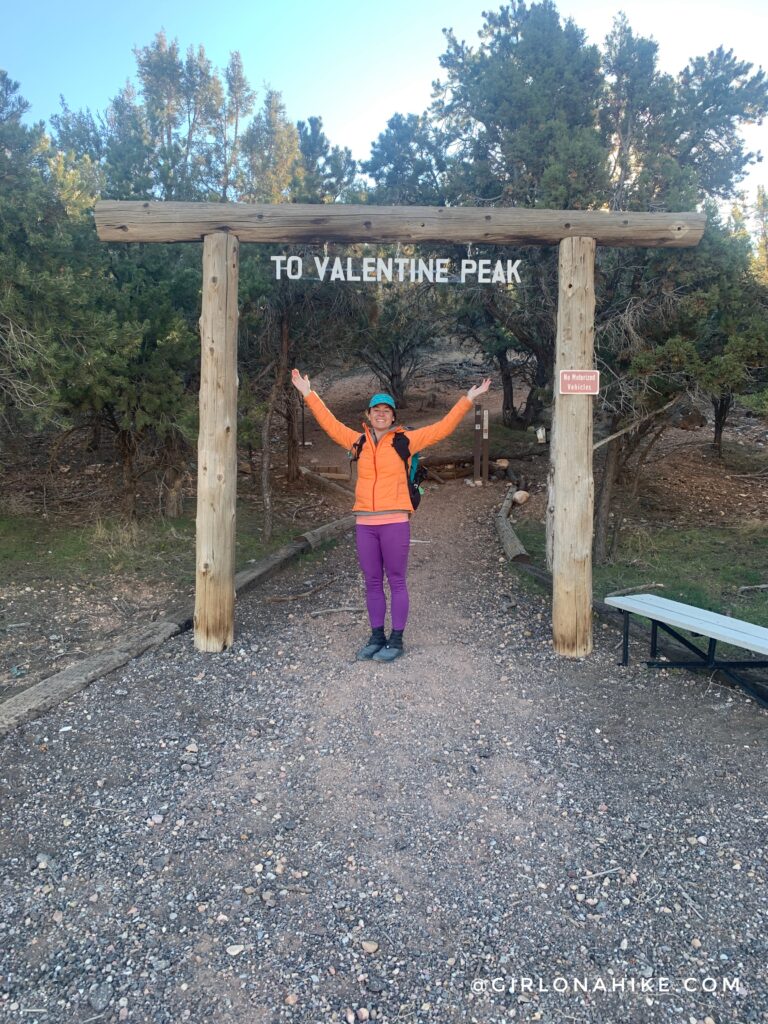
{"x":579,"y":382}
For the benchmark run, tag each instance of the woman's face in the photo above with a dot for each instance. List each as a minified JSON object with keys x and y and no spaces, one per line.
{"x":381,"y":417}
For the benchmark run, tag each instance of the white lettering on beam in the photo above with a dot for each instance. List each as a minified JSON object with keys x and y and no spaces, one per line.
{"x":375,"y":270}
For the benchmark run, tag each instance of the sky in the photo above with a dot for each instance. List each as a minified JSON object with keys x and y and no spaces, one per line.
{"x":353,"y":63}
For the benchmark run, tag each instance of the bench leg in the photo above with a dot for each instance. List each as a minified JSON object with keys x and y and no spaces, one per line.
{"x":625,"y":646}
{"x":654,"y":638}
{"x":711,"y":654}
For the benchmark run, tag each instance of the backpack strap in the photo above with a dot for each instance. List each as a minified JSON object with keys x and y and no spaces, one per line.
{"x":414,"y":474}
{"x":402,"y":446}
{"x":357,"y":447}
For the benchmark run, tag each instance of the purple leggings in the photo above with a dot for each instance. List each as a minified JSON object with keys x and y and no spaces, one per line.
{"x":382,"y":548}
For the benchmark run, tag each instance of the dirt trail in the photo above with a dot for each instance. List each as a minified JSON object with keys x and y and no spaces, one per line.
{"x":216,"y":838}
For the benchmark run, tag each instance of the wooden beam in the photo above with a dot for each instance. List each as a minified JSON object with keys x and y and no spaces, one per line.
{"x":217,"y":446}
{"x":355,"y":223}
{"x":572,"y":500}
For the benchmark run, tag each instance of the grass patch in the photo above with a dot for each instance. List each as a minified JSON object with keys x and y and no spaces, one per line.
{"x":757,"y":402}
{"x":148,"y":548}
{"x":31,"y":548}
{"x":703,"y":567}
{"x":744,"y":458}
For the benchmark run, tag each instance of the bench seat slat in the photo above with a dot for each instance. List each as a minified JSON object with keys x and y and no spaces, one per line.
{"x":695,"y":620}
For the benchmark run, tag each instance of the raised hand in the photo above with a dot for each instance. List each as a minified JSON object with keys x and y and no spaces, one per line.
{"x":478,"y":389}
{"x":300,"y":383}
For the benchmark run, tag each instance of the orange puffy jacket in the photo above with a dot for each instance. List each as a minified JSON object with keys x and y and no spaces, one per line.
{"x":382,"y":485}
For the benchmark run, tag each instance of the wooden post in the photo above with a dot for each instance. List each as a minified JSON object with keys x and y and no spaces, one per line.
{"x":477,"y":445}
{"x":485,"y":446}
{"x":571,"y":454}
{"x":217,"y":446}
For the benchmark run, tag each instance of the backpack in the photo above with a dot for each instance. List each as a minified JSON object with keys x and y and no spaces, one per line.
{"x":416,"y":474}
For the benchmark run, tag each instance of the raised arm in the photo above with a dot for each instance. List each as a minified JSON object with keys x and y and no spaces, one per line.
{"x":336,"y":430}
{"x":425,"y":436}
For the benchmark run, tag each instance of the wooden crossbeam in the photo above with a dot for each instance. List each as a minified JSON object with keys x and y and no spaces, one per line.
{"x":118,"y":221}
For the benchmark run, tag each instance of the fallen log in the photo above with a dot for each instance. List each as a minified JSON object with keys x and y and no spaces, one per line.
{"x":434,"y":475}
{"x":322,"y":534}
{"x":454,"y":472}
{"x":436,"y":461}
{"x":510,"y":542}
{"x":331,"y":472}
{"x":321,"y":481}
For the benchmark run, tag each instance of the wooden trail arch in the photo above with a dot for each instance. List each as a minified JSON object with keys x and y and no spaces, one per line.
{"x":221,"y":226}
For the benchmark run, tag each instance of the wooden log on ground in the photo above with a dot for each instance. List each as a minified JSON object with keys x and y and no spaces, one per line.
{"x":322,"y":534}
{"x":217,"y":447}
{"x":458,"y":472}
{"x":142,"y":221}
{"x":572,"y":493}
{"x":510,"y":542}
{"x":267,"y":567}
{"x":329,"y":485}
{"x":431,"y":461}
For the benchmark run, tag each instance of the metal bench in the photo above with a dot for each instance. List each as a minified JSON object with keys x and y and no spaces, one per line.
{"x":672,"y":616}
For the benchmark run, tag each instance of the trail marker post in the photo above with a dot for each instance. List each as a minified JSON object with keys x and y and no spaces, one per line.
{"x":222,"y":225}
{"x":477,"y":448}
{"x":485,"y":447}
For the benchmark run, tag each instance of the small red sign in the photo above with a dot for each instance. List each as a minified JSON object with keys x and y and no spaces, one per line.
{"x":579,"y":382}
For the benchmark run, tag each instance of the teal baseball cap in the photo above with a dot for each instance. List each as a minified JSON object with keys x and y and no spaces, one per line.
{"x":382,"y":399}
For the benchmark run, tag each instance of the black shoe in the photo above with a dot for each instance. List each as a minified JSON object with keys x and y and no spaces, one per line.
{"x":374,"y":645}
{"x":393,"y":648}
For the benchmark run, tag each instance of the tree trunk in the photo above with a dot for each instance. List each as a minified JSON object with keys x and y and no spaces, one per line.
{"x":126,"y":446}
{"x":721,"y":406}
{"x":266,"y":450}
{"x":604,"y":500}
{"x":95,"y":440}
{"x":173,"y":478}
{"x":252,"y":463}
{"x":396,"y":378}
{"x":173,"y":503}
{"x":509,"y":417}
{"x":292,"y":465}
{"x":643,"y":458}
{"x":542,"y":380}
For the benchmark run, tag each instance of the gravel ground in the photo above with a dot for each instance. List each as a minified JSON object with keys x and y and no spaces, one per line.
{"x":475,"y":833}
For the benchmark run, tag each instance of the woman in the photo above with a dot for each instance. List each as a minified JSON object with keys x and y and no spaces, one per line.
{"x":383,"y":503}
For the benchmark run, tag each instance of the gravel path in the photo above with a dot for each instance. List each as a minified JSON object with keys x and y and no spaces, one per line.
{"x":279,"y":833}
